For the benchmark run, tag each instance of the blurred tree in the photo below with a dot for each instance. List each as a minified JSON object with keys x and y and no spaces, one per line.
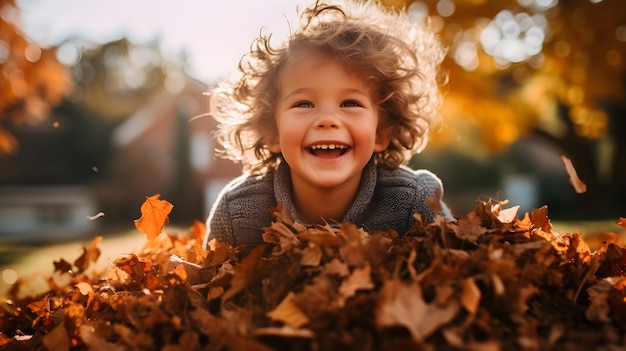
{"x":547,"y":67}
{"x":31,"y":78}
{"x":118,"y":77}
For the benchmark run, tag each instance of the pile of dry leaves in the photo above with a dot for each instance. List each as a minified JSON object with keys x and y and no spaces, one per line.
{"x":490,"y":281}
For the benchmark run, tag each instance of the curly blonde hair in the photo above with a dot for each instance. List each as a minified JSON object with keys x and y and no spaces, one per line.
{"x":382,"y":46}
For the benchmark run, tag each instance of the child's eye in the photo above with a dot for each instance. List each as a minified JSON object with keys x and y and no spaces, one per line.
{"x":351,"y":103}
{"x":303,"y":104}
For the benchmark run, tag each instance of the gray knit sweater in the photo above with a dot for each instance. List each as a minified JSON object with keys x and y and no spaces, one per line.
{"x":386,"y":200}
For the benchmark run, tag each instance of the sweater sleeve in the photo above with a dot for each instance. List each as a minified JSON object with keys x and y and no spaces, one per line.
{"x":242,"y":211}
{"x":218,"y":225}
{"x":429,"y":200}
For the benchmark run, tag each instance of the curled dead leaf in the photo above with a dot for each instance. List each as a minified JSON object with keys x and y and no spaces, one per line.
{"x":579,"y":186}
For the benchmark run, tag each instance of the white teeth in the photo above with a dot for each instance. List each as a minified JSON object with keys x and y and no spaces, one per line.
{"x":329,"y":147}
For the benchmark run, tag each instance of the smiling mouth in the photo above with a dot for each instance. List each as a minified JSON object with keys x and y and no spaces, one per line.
{"x":328,"y":150}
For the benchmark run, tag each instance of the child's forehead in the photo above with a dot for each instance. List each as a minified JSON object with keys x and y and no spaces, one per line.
{"x":314,"y":57}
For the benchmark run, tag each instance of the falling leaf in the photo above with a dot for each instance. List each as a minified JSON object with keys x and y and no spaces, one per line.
{"x":90,"y":254}
{"x":96,"y":216}
{"x":154,"y":216}
{"x":621,"y":222}
{"x":578,"y":184}
{"x":62,"y":266}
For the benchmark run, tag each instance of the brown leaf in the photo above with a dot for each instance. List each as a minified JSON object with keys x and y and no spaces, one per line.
{"x":86,"y":289}
{"x":41,"y":308}
{"x":468,"y":228}
{"x":90,"y":254}
{"x":154,"y":216}
{"x":96,"y":342}
{"x":282,"y":235}
{"x":311,"y":256}
{"x":57,"y":339}
{"x":247,"y":272}
{"x":133,"y":266}
{"x":62,"y":266}
{"x":403,"y":305}
{"x":360,"y":279}
{"x":578,"y":184}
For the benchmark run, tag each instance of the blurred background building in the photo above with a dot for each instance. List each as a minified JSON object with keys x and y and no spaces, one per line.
{"x":88,"y":127}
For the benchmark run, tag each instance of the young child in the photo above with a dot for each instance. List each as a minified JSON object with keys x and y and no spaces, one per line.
{"x":324,"y":123}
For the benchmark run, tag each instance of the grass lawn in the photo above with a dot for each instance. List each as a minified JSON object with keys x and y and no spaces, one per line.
{"x":33,"y":263}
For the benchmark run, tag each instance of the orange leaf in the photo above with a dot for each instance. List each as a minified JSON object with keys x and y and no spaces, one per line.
{"x":154,"y":216}
{"x":578,"y":184}
{"x":197,"y":232}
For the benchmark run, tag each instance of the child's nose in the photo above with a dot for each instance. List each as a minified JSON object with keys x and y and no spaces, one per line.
{"x":327,"y":119}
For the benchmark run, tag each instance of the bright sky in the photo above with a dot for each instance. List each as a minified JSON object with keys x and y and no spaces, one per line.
{"x":214,"y":33}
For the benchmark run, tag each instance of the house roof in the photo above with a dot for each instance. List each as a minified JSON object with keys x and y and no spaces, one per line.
{"x":141,"y":120}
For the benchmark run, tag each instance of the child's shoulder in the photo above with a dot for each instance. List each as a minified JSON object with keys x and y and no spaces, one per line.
{"x":250,"y":184}
{"x":405,"y":176}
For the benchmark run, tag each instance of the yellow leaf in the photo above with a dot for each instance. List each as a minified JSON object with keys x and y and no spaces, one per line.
{"x":154,"y":216}
{"x":470,"y":298}
{"x":288,"y":313}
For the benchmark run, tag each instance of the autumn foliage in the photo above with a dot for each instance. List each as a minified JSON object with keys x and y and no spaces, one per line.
{"x":489,"y":281}
{"x":31,"y":79}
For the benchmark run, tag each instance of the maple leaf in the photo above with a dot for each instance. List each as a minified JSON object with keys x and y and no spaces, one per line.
{"x":403,"y":305}
{"x":62,"y":266}
{"x":468,"y":228}
{"x":154,"y":216}
{"x":579,"y":186}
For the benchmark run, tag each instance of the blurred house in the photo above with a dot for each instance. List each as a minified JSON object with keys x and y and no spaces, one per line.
{"x":166,"y":148}
{"x":45,"y":212}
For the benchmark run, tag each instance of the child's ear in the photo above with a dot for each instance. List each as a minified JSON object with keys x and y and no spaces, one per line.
{"x":382,"y":140}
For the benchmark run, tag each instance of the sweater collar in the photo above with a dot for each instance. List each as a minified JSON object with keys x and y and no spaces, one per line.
{"x":284,"y":195}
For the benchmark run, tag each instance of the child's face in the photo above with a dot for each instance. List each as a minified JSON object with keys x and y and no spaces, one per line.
{"x":327,"y":123}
